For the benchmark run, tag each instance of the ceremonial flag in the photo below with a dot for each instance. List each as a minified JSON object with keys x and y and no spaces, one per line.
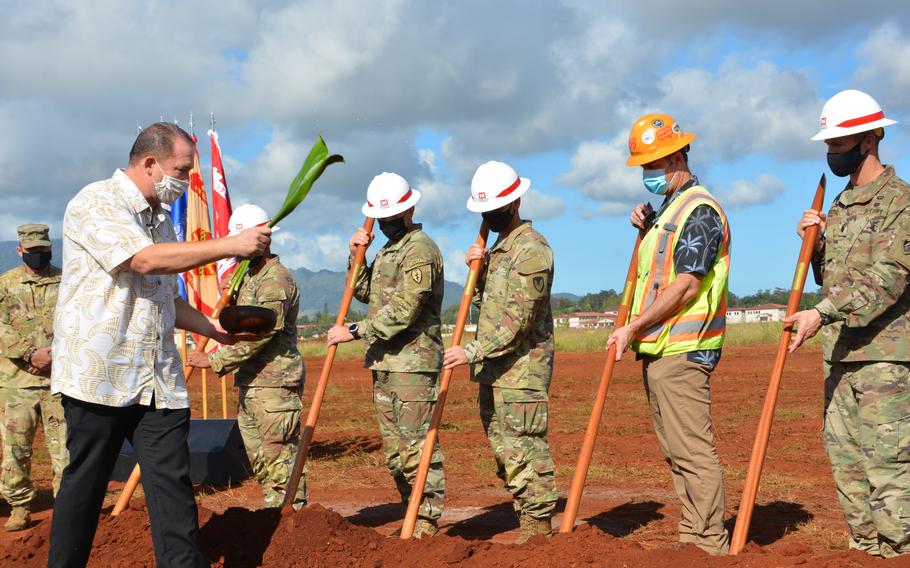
{"x":178,"y":219}
{"x":202,"y":282}
{"x":221,"y":205}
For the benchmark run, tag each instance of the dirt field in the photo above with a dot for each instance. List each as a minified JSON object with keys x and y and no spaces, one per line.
{"x":627,"y":518}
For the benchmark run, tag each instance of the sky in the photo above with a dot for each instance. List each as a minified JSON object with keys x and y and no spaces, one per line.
{"x":431,"y":90}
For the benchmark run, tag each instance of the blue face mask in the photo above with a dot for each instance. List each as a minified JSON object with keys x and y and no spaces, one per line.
{"x":656,"y":181}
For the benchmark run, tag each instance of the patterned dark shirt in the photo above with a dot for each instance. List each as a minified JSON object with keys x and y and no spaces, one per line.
{"x":701,"y":237}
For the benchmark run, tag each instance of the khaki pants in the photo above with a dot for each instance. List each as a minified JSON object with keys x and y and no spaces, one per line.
{"x":679,"y":394}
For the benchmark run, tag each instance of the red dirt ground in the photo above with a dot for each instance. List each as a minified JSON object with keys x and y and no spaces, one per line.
{"x":627,"y":518}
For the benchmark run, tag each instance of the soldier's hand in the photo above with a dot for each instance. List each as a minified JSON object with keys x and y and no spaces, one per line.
{"x":338,"y":334}
{"x":198,"y":360}
{"x":812,"y":217}
{"x":41,"y":359}
{"x":621,"y":337}
{"x":454,"y":357}
{"x":252,"y":242}
{"x":640,"y":214}
{"x":361,"y":238}
{"x":807,"y":324}
{"x":475,"y":252}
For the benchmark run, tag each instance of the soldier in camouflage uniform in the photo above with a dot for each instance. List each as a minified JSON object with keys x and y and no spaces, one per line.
{"x":862,"y":260}
{"x":512,"y":355}
{"x":28,"y":294}
{"x":268,"y":372}
{"x":403,"y":288}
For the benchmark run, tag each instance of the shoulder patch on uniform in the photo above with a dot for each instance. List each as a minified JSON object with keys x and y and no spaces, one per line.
{"x":417,"y":276}
{"x":900,"y":250}
{"x":539,"y":283}
{"x":534,"y":264}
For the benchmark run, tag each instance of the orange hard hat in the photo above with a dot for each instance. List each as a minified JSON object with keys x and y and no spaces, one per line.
{"x":655,"y":136}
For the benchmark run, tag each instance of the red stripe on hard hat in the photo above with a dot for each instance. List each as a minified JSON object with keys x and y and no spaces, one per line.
{"x":406,"y":196}
{"x":862,"y":120}
{"x":511,"y":188}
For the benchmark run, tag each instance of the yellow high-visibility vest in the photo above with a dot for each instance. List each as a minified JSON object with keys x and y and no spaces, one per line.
{"x":701,"y":323}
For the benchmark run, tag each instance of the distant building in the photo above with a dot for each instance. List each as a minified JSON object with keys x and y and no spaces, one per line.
{"x":755,"y":314}
{"x":586,"y":320}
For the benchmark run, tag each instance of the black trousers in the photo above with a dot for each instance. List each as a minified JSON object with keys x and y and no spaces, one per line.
{"x":94,"y":435}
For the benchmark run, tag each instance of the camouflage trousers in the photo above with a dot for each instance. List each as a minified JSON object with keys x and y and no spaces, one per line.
{"x":269,"y":421}
{"x":515,"y":422}
{"x":22,"y":408}
{"x":867,"y":438}
{"x":404,"y":406}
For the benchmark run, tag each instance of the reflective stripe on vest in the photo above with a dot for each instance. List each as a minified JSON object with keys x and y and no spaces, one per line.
{"x":702,"y":323}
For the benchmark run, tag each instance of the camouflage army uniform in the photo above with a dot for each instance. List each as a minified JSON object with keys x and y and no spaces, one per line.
{"x":403,"y":288}
{"x":865,"y":265}
{"x":513,"y":362}
{"x":269,"y":374}
{"x":27,"y":304}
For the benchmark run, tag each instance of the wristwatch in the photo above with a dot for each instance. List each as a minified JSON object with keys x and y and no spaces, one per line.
{"x":355,"y":330}
{"x":27,"y":356}
{"x":825,"y":318}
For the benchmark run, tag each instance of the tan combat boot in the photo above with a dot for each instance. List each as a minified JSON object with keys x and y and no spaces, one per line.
{"x":19,"y":519}
{"x":531,"y":527}
{"x":425,"y":528}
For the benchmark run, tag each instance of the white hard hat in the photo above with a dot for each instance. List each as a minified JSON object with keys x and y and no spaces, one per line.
{"x":388,"y":195}
{"x":495,"y":185}
{"x":850,"y":112}
{"x":246,"y":216}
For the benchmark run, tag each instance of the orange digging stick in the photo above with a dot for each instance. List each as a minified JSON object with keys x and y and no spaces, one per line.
{"x":587,"y":447}
{"x":136,"y":475}
{"x":760,"y":447}
{"x":426,"y":456}
{"x":309,"y":427}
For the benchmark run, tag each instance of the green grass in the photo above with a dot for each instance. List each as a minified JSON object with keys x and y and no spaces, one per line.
{"x":583,"y":340}
{"x":573,"y":340}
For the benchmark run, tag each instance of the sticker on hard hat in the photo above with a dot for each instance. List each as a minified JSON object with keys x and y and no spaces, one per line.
{"x":676,"y":127}
{"x":383,"y":203}
{"x":657,"y":123}
{"x":481,"y":196}
{"x":664,"y":132}
{"x":648,"y":137}
{"x":824,"y":122}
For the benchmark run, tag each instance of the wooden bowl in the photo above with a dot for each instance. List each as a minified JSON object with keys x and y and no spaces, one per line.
{"x":247,"y":321}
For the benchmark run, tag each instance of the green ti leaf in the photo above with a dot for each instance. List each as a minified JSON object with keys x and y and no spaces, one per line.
{"x":316,"y":163}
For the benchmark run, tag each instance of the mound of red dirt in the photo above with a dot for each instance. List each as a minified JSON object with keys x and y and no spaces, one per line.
{"x":320,"y":537}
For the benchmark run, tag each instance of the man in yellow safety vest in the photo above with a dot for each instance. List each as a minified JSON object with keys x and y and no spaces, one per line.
{"x":677,"y":321}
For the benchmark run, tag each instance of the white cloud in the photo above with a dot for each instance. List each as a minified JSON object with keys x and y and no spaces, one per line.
{"x":884,"y":71}
{"x":539,"y":206}
{"x":320,"y":251}
{"x":743,"y":193}
{"x":598,"y":171}
{"x":502,"y":80}
{"x":742,"y":109}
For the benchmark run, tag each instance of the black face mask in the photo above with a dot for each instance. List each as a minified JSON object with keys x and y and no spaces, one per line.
{"x":393,"y":229}
{"x":845,"y":163}
{"x":37,"y":261}
{"x":498,"y":220}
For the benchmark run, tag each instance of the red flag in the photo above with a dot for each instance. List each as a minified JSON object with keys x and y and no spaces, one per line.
{"x":221,"y":206}
{"x":201,"y":283}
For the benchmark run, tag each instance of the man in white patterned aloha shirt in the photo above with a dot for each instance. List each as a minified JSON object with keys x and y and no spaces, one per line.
{"x":115,"y":361}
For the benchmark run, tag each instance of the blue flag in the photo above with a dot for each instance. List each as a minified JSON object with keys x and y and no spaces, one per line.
{"x":178,"y":219}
